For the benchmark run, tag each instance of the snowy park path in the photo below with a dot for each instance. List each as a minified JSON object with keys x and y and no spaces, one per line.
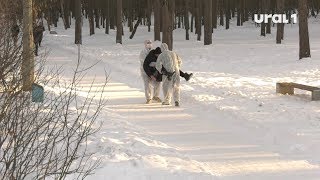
{"x":230,"y":124}
{"x":229,"y":150}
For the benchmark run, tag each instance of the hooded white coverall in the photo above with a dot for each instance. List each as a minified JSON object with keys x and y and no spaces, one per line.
{"x":171,"y":62}
{"x":151,"y":87}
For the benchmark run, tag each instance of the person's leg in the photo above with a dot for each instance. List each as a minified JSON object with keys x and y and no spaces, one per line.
{"x":176,"y":91}
{"x":147,"y":87}
{"x":167,"y":91}
{"x":157,"y":87}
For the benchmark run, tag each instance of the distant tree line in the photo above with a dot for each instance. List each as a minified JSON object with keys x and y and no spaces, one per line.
{"x":166,"y":15}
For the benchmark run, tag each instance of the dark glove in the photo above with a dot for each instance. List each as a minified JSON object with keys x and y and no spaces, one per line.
{"x":169,"y":75}
{"x":157,"y":76}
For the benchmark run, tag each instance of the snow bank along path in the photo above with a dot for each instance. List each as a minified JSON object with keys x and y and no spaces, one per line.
{"x":231,"y":124}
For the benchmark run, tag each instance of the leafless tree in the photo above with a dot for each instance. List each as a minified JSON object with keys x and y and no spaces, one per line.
{"x":48,"y":139}
{"x":119,"y":22}
{"x":304,"y":44}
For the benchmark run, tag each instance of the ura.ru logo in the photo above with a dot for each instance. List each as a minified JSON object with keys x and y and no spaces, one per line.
{"x":276,"y":18}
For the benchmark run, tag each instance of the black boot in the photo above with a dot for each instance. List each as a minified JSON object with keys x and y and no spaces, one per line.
{"x":177,"y":104}
{"x":188,"y":76}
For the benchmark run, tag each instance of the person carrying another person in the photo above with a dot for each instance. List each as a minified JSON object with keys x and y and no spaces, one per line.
{"x":168,"y":63}
{"x":149,"y":89}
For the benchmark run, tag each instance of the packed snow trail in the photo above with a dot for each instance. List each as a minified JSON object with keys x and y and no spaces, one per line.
{"x":231,"y":124}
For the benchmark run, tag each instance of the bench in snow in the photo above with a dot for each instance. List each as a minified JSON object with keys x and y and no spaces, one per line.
{"x":53,"y":32}
{"x":288,"y":88}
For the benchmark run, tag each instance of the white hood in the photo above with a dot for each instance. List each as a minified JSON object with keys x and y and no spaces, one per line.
{"x":148,"y":44}
{"x":164,"y":47}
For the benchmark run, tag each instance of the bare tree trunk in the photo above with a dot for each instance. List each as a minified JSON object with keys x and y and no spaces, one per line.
{"x":130,"y":16}
{"x":112,"y":13}
{"x":198,"y":19}
{"x":289,"y":15}
{"x":119,"y":22}
{"x":97,"y":17}
{"x":78,"y":28}
{"x":214,"y":13}
{"x":91,"y":18}
{"x":161,"y":17}
{"x":28,"y":45}
{"x":172,"y":7}
{"x":166,"y":23}
{"x":243,"y":12}
{"x":186,"y":19}
{"x":102,"y":20}
{"x":48,"y":18}
{"x":62,"y":13}
{"x":304,"y":44}
{"x":55,"y":17}
{"x":280,"y":26}
{"x":239,"y":12}
{"x":65,"y":13}
{"x":191,"y":25}
{"x":135,"y":28}
{"x":268,"y":25}
{"x":246,"y":11}
{"x":221,"y":12}
{"x":208,"y":22}
{"x":157,"y":20}
{"x":228,"y":16}
{"x":172,"y":16}
{"x":149,"y":12}
{"x":107,"y":15}
{"x":263,"y":11}
{"x":165,"y":19}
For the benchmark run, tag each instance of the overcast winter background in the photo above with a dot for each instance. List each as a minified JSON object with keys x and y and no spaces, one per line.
{"x":231,"y":123}
{"x":93,"y":122}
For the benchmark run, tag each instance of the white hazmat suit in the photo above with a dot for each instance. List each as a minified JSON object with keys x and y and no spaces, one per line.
{"x":151,"y":87}
{"x":171,"y":62}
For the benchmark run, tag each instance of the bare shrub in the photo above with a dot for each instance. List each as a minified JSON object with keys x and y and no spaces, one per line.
{"x":44,"y":140}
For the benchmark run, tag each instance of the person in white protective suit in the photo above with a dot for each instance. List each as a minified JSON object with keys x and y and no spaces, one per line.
{"x":169,"y":64}
{"x":151,"y":86}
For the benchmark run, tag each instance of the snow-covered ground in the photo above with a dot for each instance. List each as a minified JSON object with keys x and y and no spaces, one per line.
{"x":231,"y":123}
